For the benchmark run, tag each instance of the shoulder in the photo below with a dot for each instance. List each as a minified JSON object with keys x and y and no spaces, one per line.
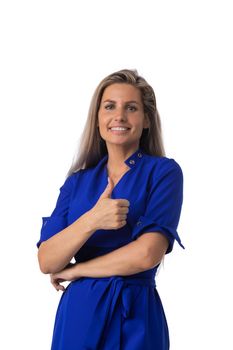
{"x":70,"y":181}
{"x":162,"y":162}
{"x":162,"y":166}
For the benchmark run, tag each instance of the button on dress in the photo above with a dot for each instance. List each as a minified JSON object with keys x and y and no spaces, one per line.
{"x":117,"y":312}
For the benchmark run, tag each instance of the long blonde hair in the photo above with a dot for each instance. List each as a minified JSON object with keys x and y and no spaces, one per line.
{"x":92,"y":147}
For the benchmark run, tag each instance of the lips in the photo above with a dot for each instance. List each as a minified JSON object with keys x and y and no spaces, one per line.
{"x":119,"y":131}
{"x":117,"y":126}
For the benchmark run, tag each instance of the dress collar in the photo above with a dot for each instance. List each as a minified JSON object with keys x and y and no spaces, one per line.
{"x":132,"y":160}
{"x":135,"y":158}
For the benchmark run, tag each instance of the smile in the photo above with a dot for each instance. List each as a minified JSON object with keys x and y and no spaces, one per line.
{"x":119,"y":130}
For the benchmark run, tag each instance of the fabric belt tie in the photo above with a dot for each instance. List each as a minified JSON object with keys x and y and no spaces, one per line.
{"x":115,"y":302}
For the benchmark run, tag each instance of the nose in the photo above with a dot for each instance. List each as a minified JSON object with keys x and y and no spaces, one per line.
{"x":120,"y":114}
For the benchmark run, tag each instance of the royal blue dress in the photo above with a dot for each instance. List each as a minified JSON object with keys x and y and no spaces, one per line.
{"x":117,"y":312}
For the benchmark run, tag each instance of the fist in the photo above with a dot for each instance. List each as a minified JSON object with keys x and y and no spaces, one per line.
{"x":109,"y":213}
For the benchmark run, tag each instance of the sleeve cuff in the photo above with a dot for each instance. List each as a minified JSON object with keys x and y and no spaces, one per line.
{"x":50,"y":226}
{"x":145,"y":224}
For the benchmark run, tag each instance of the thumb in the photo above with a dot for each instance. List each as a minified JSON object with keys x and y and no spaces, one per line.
{"x":108,"y":190}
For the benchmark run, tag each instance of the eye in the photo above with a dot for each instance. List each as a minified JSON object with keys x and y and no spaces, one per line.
{"x":109,"y":106}
{"x":131,"y":108}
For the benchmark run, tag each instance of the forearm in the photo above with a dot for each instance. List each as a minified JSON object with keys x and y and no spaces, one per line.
{"x":55,"y":253}
{"x":127,"y":260}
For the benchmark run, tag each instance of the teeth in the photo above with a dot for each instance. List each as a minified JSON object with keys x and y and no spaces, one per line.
{"x":119,"y":128}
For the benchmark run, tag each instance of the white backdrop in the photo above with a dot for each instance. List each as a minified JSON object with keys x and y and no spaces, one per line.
{"x":53,"y":55}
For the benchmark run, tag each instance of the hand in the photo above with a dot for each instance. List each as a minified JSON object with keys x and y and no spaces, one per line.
{"x":109,"y":213}
{"x":67,"y":274}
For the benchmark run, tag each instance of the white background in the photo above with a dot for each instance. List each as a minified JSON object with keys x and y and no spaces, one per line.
{"x":53,"y":55}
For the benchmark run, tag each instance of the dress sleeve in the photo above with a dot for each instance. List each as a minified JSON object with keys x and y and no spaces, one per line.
{"x":57,"y":221}
{"x":163,"y":207}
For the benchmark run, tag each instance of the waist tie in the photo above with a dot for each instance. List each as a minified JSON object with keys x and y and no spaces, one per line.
{"x":115,"y":302}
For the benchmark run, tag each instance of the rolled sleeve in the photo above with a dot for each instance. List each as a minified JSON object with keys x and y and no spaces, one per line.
{"x":164,"y":204}
{"x":57,"y":221}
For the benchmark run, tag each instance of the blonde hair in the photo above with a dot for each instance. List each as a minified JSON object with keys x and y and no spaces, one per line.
{"x":92,"y":147}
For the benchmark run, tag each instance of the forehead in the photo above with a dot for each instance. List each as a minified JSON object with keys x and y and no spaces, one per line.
{"x":121,"y":91}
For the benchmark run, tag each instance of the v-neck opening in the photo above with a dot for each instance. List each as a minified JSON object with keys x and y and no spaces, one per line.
{"x":131,"y":161}
{"x":121,"y":178}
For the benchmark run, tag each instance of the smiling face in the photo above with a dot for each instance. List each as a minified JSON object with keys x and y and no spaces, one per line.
{"x":121,"y":106}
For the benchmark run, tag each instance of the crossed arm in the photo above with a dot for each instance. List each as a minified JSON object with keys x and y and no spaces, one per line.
{"x":140,"y":255}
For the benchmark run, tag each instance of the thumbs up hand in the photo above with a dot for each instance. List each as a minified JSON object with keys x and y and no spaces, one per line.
{"x":109,"y":213}
{"x":108,"y":189}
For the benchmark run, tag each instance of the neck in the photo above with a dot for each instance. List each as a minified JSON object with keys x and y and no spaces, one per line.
{"x":116,"y":159}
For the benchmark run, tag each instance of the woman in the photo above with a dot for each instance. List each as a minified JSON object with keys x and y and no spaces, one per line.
{"x":117,"y":214}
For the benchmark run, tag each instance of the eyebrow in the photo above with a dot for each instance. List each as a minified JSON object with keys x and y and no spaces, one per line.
{"x":125,"y":102}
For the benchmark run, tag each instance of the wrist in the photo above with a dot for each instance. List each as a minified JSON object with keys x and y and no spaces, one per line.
{"x":76,"y":271}
{"x":90,"y":222}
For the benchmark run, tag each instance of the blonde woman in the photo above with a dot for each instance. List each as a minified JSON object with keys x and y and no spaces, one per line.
{"x":117,"y":215}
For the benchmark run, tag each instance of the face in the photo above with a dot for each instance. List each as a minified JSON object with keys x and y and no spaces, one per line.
{"x":121,"y":106}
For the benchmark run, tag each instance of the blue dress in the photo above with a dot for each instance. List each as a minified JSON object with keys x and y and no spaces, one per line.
{"x":117,"y":312}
